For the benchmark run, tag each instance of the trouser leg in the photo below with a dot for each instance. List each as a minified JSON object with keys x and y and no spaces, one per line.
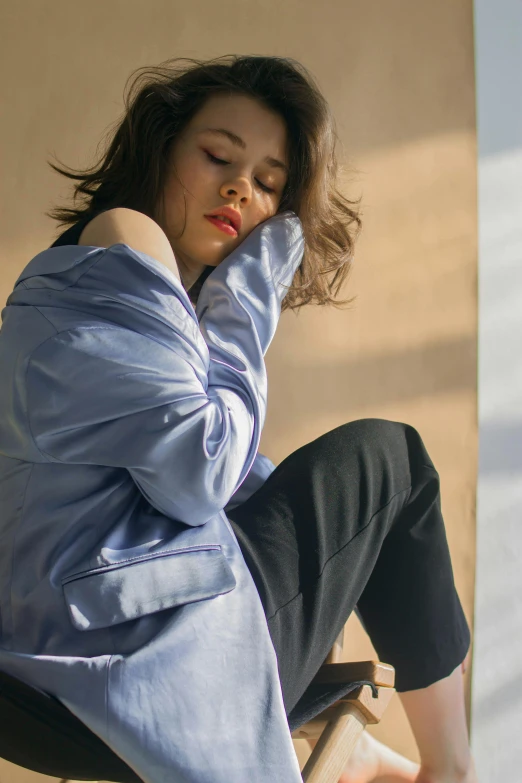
{"x":354,"y":519}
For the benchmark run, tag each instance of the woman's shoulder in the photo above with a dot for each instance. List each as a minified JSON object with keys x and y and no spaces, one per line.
{"x":121,"y":225}
{"x":118,"y":225}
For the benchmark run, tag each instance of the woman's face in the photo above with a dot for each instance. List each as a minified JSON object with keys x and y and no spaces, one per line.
{"x":249,"y":180}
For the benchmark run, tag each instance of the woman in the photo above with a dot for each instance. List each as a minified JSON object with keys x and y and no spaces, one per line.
{"x":172,"y":560}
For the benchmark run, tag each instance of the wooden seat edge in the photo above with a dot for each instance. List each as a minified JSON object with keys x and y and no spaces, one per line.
{"x":381,"y":674}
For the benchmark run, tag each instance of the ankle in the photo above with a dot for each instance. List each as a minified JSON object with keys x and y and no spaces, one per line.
{"x":462,"y":772}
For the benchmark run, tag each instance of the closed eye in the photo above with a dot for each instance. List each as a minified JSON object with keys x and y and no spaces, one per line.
{"x":220,"y":162}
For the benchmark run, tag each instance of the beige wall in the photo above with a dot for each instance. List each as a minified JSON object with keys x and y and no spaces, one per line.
{"x":399,"y":77}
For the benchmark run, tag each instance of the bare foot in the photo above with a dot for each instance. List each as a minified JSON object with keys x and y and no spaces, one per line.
{"x":373,"y":762}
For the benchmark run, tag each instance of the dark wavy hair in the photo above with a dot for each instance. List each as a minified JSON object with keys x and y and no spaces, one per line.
{"x":163,"y":99}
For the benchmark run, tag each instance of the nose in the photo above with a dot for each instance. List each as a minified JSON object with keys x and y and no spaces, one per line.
{"x":240,"y":187}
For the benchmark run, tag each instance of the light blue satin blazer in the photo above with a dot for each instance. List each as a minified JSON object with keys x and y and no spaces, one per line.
{"x":129,"y":423}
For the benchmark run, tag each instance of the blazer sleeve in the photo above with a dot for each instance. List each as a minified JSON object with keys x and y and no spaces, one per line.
{"x":183,"y":416}
{"x":261,"y":469}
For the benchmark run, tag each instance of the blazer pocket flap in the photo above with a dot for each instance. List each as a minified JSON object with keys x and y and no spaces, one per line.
{"x":126,"y":591}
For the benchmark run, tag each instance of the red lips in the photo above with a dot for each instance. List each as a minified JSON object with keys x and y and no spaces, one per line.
{"x":232,"y":214}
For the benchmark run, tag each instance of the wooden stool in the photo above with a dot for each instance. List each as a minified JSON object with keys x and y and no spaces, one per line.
{"x":334,"y":732}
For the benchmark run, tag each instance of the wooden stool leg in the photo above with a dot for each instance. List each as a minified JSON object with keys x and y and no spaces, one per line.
{"x":332,"y":751}
{"x":340,"y":727}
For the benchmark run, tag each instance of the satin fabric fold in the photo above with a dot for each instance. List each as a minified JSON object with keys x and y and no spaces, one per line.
{"x":129,"y":423}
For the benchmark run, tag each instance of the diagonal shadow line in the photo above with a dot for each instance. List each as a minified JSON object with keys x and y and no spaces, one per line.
{"x":447,"y":366}
{"x":500,"y":447}
{"x":506,"y":697}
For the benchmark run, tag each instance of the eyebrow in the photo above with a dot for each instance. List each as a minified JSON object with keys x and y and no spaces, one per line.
{"x":238,"y":142}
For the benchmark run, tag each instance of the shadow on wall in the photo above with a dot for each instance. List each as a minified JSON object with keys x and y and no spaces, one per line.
{"x":381,"y":379}
{"x":497,"y":675}
{"x":500,"y":447}
{"x":505,"y":700}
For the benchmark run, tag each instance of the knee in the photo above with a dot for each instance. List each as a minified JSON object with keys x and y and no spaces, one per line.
{"x":380,"y":431}
{"x":374,"y":433}
{"x":391,"y":440}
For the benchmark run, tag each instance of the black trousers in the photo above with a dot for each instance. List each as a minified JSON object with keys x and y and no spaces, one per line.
{"x":349,"y":521}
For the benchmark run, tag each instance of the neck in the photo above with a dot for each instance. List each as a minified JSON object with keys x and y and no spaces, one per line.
{"x":189,"y":274}
{"x":196,"y":287}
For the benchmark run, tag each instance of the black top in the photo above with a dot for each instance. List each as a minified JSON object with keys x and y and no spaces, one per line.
{"x":72,"y":234}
